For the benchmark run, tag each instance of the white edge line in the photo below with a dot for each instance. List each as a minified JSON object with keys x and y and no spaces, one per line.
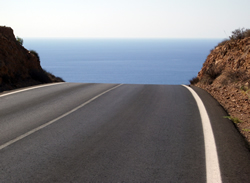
{"x":212,"y":163}
{"x":54,"y":120}
{"x":31,"y":88}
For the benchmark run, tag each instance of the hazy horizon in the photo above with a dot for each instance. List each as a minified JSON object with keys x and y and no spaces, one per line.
{"x":125,"y":19}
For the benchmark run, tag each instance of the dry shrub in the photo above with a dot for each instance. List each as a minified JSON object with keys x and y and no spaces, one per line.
{"x":214,"y":72}
{"x":206,"y":79}
{"x":237,"y":34}
{"x":240,"y":33}
{"x":247,"y":33}
{"x":194,"y":80}
{"x":236,"y":76}
{"x":211,"y":74}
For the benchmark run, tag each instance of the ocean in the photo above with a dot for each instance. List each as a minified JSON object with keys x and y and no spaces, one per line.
{"x":128,"y":61}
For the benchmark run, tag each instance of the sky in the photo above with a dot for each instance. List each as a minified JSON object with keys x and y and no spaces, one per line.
{"x":124,"y":18}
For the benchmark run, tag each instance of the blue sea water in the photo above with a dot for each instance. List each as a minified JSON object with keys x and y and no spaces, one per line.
{"x":129,"y":61}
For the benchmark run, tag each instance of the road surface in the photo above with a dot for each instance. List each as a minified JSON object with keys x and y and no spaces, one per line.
{"x":73,"y":132}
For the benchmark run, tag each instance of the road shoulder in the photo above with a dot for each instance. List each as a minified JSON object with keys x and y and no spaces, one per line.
{"x":237,"y":160}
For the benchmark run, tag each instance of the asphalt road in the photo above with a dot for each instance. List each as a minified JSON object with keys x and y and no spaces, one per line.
{"x":75,"y":132}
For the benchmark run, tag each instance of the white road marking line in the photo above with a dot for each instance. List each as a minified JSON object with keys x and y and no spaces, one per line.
{"x":212,"y":163}
{"x":54,"y":120}
{"x":31,"y":88}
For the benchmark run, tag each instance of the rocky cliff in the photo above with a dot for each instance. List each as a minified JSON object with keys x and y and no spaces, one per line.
{"x":226,"y":76}
{"x":18,"y":66}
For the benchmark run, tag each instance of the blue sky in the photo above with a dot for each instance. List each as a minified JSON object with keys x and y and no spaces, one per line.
{"x":125,"y":19}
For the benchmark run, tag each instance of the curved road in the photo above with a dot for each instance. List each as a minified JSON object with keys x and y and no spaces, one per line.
{"x":72,"y":132}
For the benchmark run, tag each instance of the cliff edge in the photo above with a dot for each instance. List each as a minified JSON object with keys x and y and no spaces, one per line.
{"x":226,"y":76}
{"x":18,"y":66}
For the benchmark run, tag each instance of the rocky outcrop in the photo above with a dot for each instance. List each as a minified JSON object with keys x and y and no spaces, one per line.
{"x":18,"y":66}
{"x":231,"y":55}
{"x":226,"y":76}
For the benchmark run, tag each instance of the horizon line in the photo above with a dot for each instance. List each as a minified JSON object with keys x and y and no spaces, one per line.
{"x":123,"y":38}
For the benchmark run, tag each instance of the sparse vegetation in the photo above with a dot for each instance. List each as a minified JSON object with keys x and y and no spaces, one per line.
{"x":234,"y":119}
{"x":240,"y":33}
{"x":35,"y":53}
{"x":19,"y":40}
{"x":225,"y":75}
{"x":245,"y":90}
{"x":194,"y":80}
{"x":236,"y":76}
{"x":214,"y":71}
{"x":237,"y":34}
{"x":246,"y":130}
{"x":211,"y":74}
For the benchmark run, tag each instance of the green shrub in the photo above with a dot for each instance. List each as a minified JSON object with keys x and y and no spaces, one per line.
{"x":36,"y":54}
{"x":19,"y":40}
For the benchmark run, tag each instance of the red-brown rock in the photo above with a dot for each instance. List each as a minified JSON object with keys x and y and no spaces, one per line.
{"x":226,"y":76}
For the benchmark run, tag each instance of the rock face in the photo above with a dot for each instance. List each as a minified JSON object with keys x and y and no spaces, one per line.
{"x":231,"y":55}
{"x":18,"y":66}
{"x":226,"y":76}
